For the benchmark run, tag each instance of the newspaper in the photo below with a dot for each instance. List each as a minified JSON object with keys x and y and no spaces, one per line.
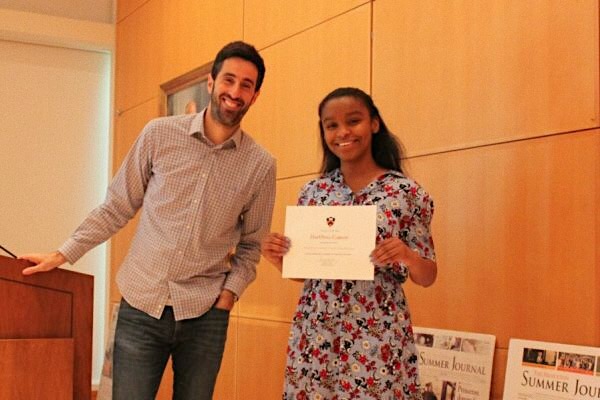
{"x":548,"y":371}
{"x":454,"y":365}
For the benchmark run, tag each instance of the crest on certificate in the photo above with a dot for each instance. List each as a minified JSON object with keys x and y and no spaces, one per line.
{"x":330,"y":221}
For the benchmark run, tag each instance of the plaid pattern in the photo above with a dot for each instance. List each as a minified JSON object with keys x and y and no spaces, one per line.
{"x":205,"y":210}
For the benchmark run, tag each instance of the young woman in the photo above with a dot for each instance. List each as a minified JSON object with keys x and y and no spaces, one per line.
{"x":353,"y":339}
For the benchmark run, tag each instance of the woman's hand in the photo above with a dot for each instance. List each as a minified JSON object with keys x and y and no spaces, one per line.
{"x":273,"y":247}
{"x":393,"y":250}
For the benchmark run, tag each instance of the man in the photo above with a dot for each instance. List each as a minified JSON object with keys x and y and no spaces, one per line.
{"x":207,"y":191}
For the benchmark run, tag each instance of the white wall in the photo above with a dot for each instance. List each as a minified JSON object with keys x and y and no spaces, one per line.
{"x":54,"y":146}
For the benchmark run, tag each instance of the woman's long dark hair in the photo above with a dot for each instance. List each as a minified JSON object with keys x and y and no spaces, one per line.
{"x":386,"y":149}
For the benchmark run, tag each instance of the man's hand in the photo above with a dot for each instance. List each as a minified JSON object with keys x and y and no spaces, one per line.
{"x":43,"y":262}
{"x":226,"y":300}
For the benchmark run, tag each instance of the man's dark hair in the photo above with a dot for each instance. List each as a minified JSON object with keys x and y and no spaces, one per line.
{"x":244,"y":51}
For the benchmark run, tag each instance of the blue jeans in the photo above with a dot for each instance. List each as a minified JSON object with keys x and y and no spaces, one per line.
{"x":143,"y":345}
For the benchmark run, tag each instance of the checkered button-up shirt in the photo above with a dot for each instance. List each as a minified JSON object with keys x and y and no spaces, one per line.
{"x":205,"y":210}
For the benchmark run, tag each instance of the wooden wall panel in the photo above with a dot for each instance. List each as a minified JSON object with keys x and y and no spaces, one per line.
{"x":455,"y":74}
{"x":159,"y":42}
{"x":514,"y":229}
{"x":165,"y":391}
{"x":139,"y":56}
{"x":498,"y":373}
{"x":128,"y":126}
{"x":261,"y":359}
{"x":269,"y":21}
{"x":126,"y":7}
{"x":270,"y":296}
{"x":300,"y":72}
{"x":194,"y":31}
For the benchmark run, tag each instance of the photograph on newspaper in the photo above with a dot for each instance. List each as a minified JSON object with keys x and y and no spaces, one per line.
{"x":454,"y":365}
{"x":536,"y":370}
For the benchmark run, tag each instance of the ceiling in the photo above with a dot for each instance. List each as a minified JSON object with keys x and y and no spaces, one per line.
{"x":89,"y":10}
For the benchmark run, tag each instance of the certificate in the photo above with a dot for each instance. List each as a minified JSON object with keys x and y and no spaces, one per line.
{"x":330,"y":242}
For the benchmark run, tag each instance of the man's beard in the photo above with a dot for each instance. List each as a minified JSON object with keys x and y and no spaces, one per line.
{"x":226,"y":117}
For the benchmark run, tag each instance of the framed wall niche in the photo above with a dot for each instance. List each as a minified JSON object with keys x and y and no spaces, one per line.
{"x":187,"y":93}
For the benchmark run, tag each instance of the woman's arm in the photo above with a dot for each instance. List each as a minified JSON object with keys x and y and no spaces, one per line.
{"x":421,"y":270}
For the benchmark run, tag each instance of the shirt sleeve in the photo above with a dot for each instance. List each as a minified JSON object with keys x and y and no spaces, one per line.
{"x":256,"y":222}
{"x":304,"y":195}
{"x":124,"y":197}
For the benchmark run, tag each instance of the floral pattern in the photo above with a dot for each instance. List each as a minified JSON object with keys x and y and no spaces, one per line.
{"x":354,"y":339}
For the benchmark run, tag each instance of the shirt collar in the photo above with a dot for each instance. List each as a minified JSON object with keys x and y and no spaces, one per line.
{"x":337,"y":173}
{"x":337,"y":178}
{"x":197,"y":130}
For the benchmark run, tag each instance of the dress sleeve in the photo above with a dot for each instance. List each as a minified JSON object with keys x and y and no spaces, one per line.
{"x":304,"y":197}
{"x":415,"y":227}
{"x":419,"y":237}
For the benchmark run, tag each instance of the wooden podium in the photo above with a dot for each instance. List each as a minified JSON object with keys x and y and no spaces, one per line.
{"x":45,"y":333}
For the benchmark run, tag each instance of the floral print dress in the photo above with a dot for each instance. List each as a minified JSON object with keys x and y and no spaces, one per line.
{"x":354,"y":339}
